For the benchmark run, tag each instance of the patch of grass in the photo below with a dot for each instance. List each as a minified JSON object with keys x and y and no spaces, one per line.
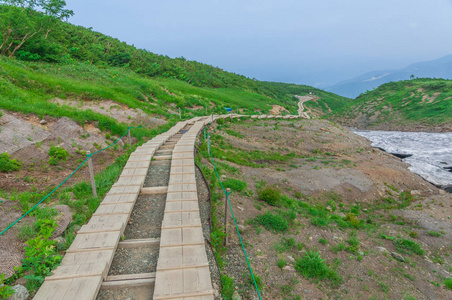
{"x":235,"y":133}
{"x":312,"y":265}
{"x":434,"y":233}
{"x":7,"y":164}
{"x":337,"y":248}
{"x":448,"y":283}
{"x":285,"y":244}
{"x":271,"y":195}
{"x":235,"y":184}
{"x":323,"y":241}
{"x":273,"y":222}
{"x":408,"y":247}
{"x":57,"y":154}
{"x":281,"y":263}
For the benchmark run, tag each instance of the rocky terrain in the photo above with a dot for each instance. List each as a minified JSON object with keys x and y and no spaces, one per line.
{"x":357,"y":206}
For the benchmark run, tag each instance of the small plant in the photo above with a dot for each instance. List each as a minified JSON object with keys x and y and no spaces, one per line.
{"x":354,"y":243}
{"x":57,"y":154}
{"x":7,"y":164}
{"x":323,"y":241}
{"x":220,"y":121}
{"x":270,"y":195}
{"x":413,"y":234}
{"x":338,"y":247}
{"x":312,"y":265}
{"x":448,"y":283}
{"x":408,"y":247}
{"x":5,"y":290}
{"x":227,"y":287}
{"x":285,"y":245}
{"x":273,"y":222}
{"x":235,"y":184}
{"x":433,"y":233}
{"x":281,"y":263}
{"x":352,"y":219}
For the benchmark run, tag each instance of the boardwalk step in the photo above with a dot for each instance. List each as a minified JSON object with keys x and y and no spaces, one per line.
{"x":163,"y":157}
{"x":154,"y":190}
{"x":136,"y":243}
{"x":129,"y":280}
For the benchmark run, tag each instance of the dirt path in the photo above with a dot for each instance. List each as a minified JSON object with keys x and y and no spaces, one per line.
{"x":303,"y":99}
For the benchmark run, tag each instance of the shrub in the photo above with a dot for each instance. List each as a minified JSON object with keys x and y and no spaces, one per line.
{"x":220,"y":121}
{"x":273,"y":222}
{"x":56,"y":154}
{"x":413,"y":234}
{"x":323,"y":241}
{"x":7,"y":164}
{"x":270,"y":195}
{"x":352,"y":219}
{"x":235,"y":184}
{"x":312,"y":265}
{"x":448,"y":283}
{"x":407,"y":246}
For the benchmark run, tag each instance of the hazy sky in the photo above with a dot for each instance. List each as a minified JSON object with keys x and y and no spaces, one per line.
{"x":311,"y":42}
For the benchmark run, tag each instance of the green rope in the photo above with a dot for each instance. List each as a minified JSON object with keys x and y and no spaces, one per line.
{"x":233,"y":217}
{"x":36,"y":205}
{"x":87,"y":157}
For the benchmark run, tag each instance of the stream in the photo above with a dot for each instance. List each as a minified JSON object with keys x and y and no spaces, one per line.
{"x":429,"y":154}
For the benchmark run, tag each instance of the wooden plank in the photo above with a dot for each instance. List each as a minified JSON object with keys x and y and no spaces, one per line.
{"x":185,"y":187}
{"x":130,"y":277}
{"x":181,"y":219}
{"x":105,"y":223}
{"x":163,"y":157}
{"x":128,"y":283}
{"x":137,"y":164}
{"x":114,"y":209}
{"x":181,"y":205}
{"x":131,"y":181}
{"x":154,"y":190}
{"x":134,"y":172}
{"x":136,"y":243}
{"x":85,"y":288}
{"x":95,"y":242}
{"x":178,"y":196}
{"x":120,"y":190}
{"x":120,"y":198}
{"x":197,"y":280}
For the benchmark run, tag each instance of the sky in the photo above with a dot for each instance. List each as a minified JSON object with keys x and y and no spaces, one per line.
{"x":316,"y":42}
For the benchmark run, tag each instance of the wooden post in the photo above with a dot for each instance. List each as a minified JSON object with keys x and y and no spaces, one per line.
{"x":91,"y":174}
{"x":211,"y":118}
{"x":206,"y":109}
{"x":228,"y":192}
{"x":180,"y":114}
{"x":130,"y":139}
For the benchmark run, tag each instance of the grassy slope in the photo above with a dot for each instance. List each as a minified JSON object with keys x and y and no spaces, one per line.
{"x":407,"y":104}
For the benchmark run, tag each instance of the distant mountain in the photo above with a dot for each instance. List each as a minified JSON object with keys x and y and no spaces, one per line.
{"x":440,"y":68}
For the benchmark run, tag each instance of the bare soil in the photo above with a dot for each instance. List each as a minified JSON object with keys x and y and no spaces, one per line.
{"x":333,"y":164}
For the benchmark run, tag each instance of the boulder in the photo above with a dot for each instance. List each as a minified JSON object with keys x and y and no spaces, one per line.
{"x":20,"y":293}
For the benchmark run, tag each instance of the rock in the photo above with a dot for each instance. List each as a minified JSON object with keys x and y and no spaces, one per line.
{"x":60,"y":240}
{"x":236,"y":296}
{"x":289,"y":268}
{"x":223,"y":177}
{"x":342,"y":215}
{"x":241,"y":208}
{"x":290,"y":258}
{"x":21,"y":293}
{"x":241,"y":228}
{"x":442,"y":192}
{"x":398,"y":256}
{"x":63,"y":219}
{"x":415,"y":192}
{"x":382,"y":249}
{"x":43,"y":122}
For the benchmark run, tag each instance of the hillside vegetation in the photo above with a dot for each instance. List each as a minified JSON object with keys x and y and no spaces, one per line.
{"x":419,"y":104}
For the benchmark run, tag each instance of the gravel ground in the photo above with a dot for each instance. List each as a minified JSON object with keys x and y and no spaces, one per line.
{"x":158,"y":175}
{"x":134,"y":260}
{"x":147,"y":217}
{"x":133,"y":293}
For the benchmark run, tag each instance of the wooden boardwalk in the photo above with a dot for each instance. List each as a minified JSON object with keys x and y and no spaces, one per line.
{"x":182,"y":267}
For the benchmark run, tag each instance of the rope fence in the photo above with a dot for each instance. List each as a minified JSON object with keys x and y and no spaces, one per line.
{"x":88,"y":157}
{"x":232,"y":213}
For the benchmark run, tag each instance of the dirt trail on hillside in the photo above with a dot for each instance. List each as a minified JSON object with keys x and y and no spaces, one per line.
{"x":303,"y":99}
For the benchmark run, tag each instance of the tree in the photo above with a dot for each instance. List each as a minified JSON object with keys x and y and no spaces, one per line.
{"x":21,"y":20}
{"x":412,"y":76}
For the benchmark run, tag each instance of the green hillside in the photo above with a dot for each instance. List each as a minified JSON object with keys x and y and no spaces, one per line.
{"x":49,"y":58}
{"x":416,"y":104}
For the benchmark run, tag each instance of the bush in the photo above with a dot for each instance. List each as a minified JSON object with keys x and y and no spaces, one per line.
{"x":352,"y":219}
{"x":220,"y":121}
{"x":235,"y":184}
{"x":273,"y":222}
{"x":312,"y":265}
{"x":57,"y":154}
{"x":7,"y":164}
{"x":270,"y":195}
{"x":407,"y":246}
{"x":5,"y":290}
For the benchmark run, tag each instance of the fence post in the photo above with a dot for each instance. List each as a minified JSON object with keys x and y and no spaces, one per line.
{"x":211,"y":118}
{"x":91,"y":173}
{"x":130,"y":139}
{"x":180,"y":114}
{"x":228,"y":192}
